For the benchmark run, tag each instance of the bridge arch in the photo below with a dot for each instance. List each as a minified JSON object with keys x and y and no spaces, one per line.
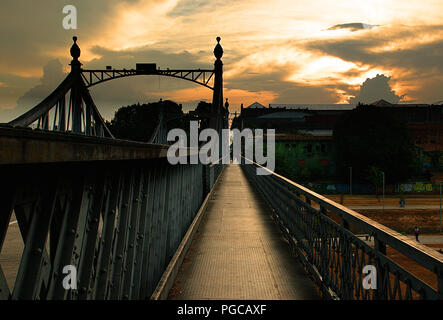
{"x":70,"y":107}
{"x":199,"y":76}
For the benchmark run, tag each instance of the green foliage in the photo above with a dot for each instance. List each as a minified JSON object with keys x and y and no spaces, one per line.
{"x":370,"y":137}
{"x":375,"y":176}
{"x":284,"y":165}
{"x":435,"y":157}
{"x":138,"y":122}
{"x":283,"y":162}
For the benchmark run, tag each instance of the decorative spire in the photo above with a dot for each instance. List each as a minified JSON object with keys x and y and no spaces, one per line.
{"x":218,"y":50}
{"x":75,"y":50}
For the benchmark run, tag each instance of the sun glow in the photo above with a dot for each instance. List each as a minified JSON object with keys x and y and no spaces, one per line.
{"x":320,"y":68}
{"x":266,"y":43}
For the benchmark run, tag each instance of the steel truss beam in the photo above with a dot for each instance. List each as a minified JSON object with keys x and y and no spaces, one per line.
{"x":198,"y":76}
{"x":118,"y":222}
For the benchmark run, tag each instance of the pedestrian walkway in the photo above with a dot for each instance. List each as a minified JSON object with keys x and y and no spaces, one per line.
{"x":238,"y":252}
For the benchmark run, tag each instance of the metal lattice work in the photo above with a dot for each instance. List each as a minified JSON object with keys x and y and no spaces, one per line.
{"x":198,"y":76}
{"x":321,"y":234}
{"x":69,"y":108}
{"x":160,"y":134}
{"x":119,"y":224}
{"x":113,"y":209}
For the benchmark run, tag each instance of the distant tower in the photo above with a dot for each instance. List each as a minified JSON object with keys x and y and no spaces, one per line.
{"x":226,"y":110}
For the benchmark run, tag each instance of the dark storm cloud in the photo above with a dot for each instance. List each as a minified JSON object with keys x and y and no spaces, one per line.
{"x":374,"y":89}
{"x":11,"y":87}
{"x":52,"y":76}
{"x":353,"y":26}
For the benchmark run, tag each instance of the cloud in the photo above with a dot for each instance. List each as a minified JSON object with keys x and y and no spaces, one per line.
{"x":32,"y":31}
{"x":129,"y":57}
{"x":398,"y":51}
{"x":52,"y":76}
{"x":352,"y":26}
{"x":284,"y":41}
{"x":375,"y":89}
{"x":386,"y":51}
{"x":284,"y":91}
{"x":188,"y":7}
{"x":113,"y":94}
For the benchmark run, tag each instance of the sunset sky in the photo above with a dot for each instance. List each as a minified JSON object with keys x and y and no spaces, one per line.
{"x":279,"y":51}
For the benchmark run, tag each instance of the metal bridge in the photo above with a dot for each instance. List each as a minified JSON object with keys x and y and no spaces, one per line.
{"x":136,"y":227}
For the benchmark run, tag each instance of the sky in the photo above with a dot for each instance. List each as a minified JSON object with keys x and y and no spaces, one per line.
{"x":275,"y":51}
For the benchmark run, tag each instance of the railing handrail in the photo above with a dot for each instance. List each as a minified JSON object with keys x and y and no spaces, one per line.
{"x":418,"y":252}
{"x":19,"y":145}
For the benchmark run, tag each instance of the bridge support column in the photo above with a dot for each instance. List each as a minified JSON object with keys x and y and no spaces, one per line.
{"x":217,"y":97}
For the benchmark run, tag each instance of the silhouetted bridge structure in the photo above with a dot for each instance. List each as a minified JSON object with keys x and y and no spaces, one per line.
{"x":126,"y":218}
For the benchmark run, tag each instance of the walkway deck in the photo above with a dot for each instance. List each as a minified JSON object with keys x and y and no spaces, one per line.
{"x":238,"y":252}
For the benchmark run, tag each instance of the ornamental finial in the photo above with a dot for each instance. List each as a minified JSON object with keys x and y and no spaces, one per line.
{"x":75,"y":50}
{"x":218,"y":50}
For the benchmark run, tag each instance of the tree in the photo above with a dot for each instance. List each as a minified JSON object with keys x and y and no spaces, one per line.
{"x":370,"y":137}
{"x":204,"y":110}
{"x":283,"y":162}
{"x":138,"y":122}
{"x":435,"y":157}
{"x":375,"y":176}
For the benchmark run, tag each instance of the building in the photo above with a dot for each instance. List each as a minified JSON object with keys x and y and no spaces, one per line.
{"x":307,"y":156}
{"x":304,"y":128}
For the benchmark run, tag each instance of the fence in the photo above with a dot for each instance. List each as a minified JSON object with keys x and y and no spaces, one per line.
{"x":323,"y":234}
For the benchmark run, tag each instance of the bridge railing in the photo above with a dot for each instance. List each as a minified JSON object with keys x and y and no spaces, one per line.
{"x":324,"y":235}
{"x":115,"y":210}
